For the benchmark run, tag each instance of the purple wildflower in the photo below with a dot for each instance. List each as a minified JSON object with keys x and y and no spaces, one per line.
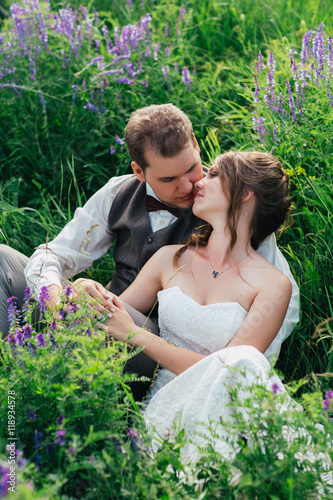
{"x":112,"y":150}
{"x":60,"y":439}
{"x":124,"y":80}
{"x":270,"y":88}
{"x":166,"y":71}
{"x":91,"y":107}
{"x":328,"y":402}
{"x":291,"y":101}
{"x":43,"y":297}
{"x":12,"y":309}
{"x":26,"y":298}
{"x":27,"y":330}
{"x":276,"y":388}
{"x":19,"y":338}
{"x":38,"y":436}
{"x":53,"y":325}
{"x":119,"y":141}
{"x":136,"y":440}
{"x":260,"y":128}
{"x":32,"y":415}
{"x":40,"y":340}
{"x":166,"y":30}
{"x":60,"y":419}
{"x":260,"y":63}
{"x":63,"y":313}
{"x":42,"y":100}
{"x":186,"y":77}
{"x":157,"y":48}
{"x":168,"y":50}
{"x":182,"y":12}
{"x":4,"y":474}
{"x":176,"y":68}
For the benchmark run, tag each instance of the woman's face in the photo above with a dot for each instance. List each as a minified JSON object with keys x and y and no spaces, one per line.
{"x":210,"y":197}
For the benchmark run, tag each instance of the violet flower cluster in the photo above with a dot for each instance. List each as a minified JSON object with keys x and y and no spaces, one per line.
{"x":121,"y":58}
{"x":311,"y":72}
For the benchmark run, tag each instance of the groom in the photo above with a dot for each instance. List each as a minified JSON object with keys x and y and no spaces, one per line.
{"x":128,"y":211}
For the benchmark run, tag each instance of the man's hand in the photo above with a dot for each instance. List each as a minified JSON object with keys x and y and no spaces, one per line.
{"x":93,"y":290}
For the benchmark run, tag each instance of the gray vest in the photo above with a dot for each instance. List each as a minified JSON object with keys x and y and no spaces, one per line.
{"x":135,"y":243}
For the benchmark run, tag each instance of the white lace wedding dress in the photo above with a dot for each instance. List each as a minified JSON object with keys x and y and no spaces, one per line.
{"x":198,"y":400}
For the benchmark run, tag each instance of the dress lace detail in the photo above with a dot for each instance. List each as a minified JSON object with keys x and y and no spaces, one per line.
{"x":202,"y":329}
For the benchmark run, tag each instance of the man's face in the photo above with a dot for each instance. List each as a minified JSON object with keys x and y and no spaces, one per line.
{"x":173,"y":179}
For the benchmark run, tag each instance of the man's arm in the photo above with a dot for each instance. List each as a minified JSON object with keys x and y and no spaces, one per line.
{"x":84,"y":239}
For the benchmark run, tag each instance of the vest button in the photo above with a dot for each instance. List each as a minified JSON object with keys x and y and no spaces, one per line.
{"x":149,"y":240}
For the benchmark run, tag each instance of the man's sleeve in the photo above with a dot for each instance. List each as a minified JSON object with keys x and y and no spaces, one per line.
{"x":84,"y":239}
{"x":269,"y":250}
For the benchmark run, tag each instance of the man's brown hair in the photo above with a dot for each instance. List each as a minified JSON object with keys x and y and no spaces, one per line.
{"x":162,"y":127}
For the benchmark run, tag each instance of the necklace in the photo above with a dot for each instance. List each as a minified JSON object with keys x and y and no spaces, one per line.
{"x":217,"y":273}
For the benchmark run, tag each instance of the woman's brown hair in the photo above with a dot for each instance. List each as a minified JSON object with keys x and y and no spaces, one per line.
{"x":249,"y":171}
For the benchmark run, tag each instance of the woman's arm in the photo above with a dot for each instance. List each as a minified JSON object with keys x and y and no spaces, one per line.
{"x":122,"y":328}
{"x":266,"y":314}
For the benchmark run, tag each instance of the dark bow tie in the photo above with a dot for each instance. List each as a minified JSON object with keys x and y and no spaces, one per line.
{"x":153,"y":205}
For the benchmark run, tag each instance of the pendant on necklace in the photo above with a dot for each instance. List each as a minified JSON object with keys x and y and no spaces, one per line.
{"x":215,"y":273}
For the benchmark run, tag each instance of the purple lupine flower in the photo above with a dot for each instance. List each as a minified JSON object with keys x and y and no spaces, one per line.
{"x":136,"y":440}
{"x":91,"y":107}
{"x":32,"y":415}
{"x":156,"y":49}
{"x":291,"y":101}
{"x":328,"y":402}
{"x":124,"y":80}
{"x":186,"y":77}
{"x":260,"y":63}
{"x":119,"y":141}
{"x":63,"y":313}
{"x":26,"y":298}
{"x":260,"y":128}
{"x":166,"y":30}
{"x":42,"y":100}
{"x":275,"y":389}
{"x":12,"y":309}
{"x":60,"y":419}
{"x":27,"y":330}
{"x":270,"y":88}
{"x":60,"y":439}
{"x":68,"y":292}
{"x":32,"y":349}
{"x":19,"y":338}
{"x":38,"y":436}
{"x":41,"y":342}
{"x":166,"y":70}
{"x":112,"y":150}
{"x":182,"y":12}
{"x":4,"y":474}
{"x":43,"y":297}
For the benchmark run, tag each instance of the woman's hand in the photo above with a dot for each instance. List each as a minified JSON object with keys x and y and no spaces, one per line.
{"x":120,"y":325}
{"x":95,"y":291}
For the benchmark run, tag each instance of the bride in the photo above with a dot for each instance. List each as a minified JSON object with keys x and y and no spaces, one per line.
{"x":221,"y":304}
